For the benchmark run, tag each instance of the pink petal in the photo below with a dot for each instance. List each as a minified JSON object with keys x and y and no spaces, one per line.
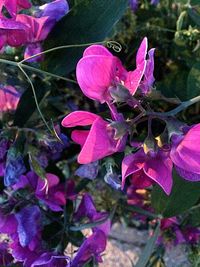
{"x":79,"y":118}
{"x":159,"y":169}
{"x":95,"y":50}
{"x":98,"y":143}
{"x":95,"y":74}
{"x":134,"y":78}
{"x":142,"y":52}
{"x":186,"y":154}
{"x":132,"y":164}
{"x":80,"y":136}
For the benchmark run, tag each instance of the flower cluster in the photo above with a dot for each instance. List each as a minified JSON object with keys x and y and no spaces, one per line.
{"x":103,"y":78}
{"x":19,"y":29}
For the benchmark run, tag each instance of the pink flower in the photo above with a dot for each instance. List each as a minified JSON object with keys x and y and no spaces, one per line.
{"x":149,"y":167}
{"x":96,"y":143}
{"x":9,"y":98}
{"x":12,"y":6}
{"x":13,"y":33}
{"x":99,"y":71}
{"x":185,"y":153}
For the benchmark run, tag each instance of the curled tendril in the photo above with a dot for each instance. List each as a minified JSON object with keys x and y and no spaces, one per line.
{"x":114,"y":45}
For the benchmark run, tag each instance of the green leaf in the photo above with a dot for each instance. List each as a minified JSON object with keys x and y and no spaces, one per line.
{"x":89,"y":21}
{"x":183,"y":196}
{"x":195,"y":15}
{"x":36,"y":167}
{"x":27,"y":106}
{"x":148,"y":250}
{"x":193,"y":82}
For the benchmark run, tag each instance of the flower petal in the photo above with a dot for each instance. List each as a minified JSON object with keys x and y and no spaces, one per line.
{"x":79,"y":118}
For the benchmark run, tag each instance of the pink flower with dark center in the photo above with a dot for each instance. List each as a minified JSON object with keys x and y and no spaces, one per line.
{"x":96,"y":143}
{"x":99,"y":71}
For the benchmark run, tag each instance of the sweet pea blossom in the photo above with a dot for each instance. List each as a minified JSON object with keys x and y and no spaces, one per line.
{"x":149,"y":167}
{"x":28,"y":30}
{"x":12,"y":6}
{"x":185,"y":153}
{"x":51,"y":260}
{"x":96,"y":143}
{"x":92,"y":248}
{"x":54,"y":198}
{"x":98,"y":72}
{"x":9,"y":98}
{"x":88,"y":209}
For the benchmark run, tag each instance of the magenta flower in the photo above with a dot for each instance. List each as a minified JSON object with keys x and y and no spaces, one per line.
{"x":54,"y":197}
{"x":41,"y":25}
{"x":155,"y":166}
{"x":12,"y":6}
{"x":88,"y":209}
{"x":99,"y":71}
{"x":9,"y":98}
{"x":185,"y":153}
{"x":92,"y":248}
{"x":13,"y":33}
{"x":96,"y":143}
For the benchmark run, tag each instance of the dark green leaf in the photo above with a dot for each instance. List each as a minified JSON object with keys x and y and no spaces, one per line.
{"x":193,"y":82}
{"x":36,"y":167}
{"x":27,"y":106}
{"x":183,"y":196}
{"x":89,"y":21}
{"x":195,"y":15}
{"x":148,"y":250}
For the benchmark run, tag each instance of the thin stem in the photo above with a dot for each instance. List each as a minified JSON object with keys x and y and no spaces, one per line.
{"x":58,"y":48}
{"x":35,"y":97}
{"x":178,"y":109}
{"x":16,"y":64}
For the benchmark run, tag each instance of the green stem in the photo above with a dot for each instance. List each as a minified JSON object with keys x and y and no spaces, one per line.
{"x":178,"y":109}
{"x":35,"y":97}
{"x":16,"y":64}
{"x":58,"y":48}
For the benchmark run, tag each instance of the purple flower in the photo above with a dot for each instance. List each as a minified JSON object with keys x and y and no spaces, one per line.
{"x":28,"y":220}
{"x":3,"y":148}
{"x":88,"y":209}
{"x":54,"y":197}
{"x":5,"y":257}
{"x":89,"y":171}
{"x":148,"y":79}
{"x":14,"y":168}
{"x":91,"y":248}
{"x":134,"y":4}
{"x":51,"y":260}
